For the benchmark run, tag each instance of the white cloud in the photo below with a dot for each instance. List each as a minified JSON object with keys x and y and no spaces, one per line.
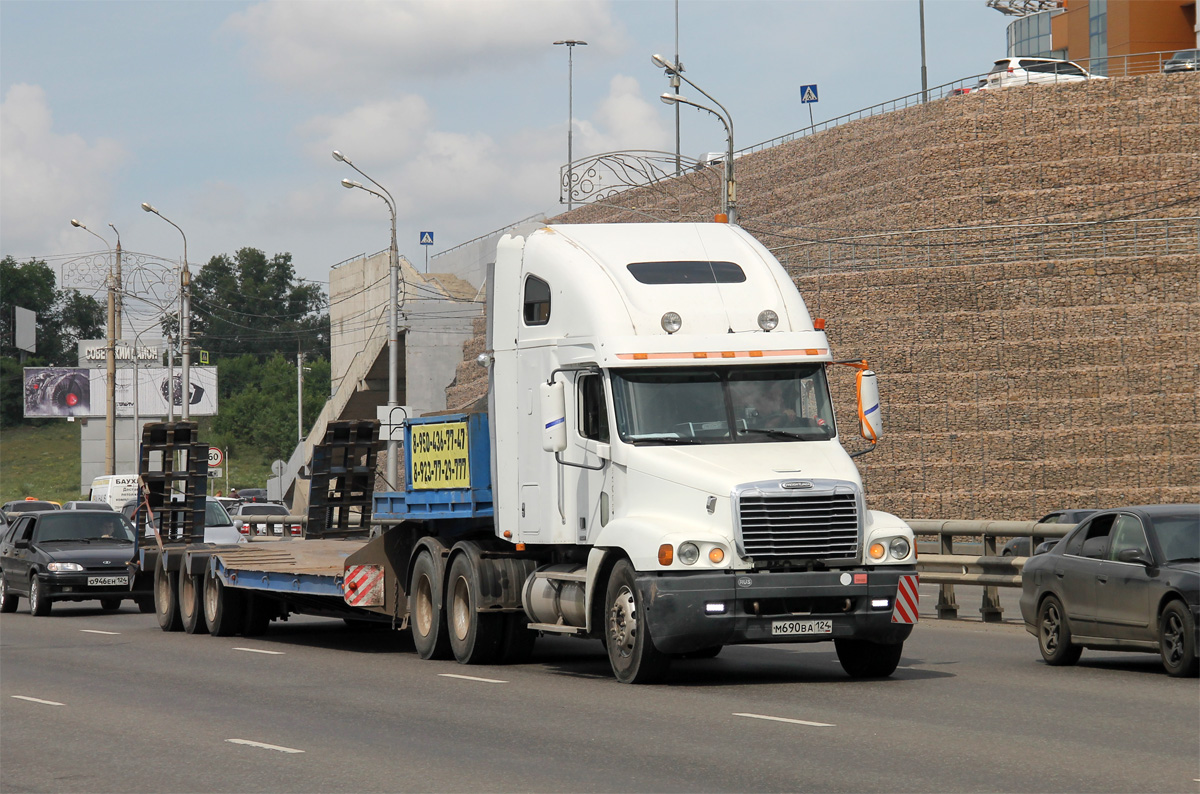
{"x":335,"y":45}
{"x":50,"y":178}
{"x":382,"y":132}
{"x":624,"y":120}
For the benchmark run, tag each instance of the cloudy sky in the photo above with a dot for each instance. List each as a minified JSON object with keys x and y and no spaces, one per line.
{"x":223,"y":114}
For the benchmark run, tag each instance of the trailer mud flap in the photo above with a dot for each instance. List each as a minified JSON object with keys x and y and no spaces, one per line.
{"x":363,"y":586}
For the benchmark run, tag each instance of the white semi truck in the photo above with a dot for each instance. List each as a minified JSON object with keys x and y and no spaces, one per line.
{"x":659,"y":466}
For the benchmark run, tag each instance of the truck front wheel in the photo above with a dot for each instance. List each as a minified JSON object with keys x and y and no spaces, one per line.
{"x":631,"y":650}
{"x":866,"y":659}
{"x":425,"y":616}
{"x":474,"y":636}
{"x":165,"y":584}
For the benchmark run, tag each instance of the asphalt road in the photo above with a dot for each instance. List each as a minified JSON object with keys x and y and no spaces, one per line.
{"x":101,"y":702}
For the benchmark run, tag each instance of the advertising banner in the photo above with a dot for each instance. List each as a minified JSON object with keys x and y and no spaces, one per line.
{"x":77,"y":391}
{"x":438,"y":456}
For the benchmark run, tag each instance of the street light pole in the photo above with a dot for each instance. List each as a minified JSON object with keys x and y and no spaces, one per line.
{"x":393,"y":444}
{"x":729,"y":202}
{"x":185,"y":322}
{"x":571,"y":45}
{"x":110,"y":359}
{"x":924,"y":80}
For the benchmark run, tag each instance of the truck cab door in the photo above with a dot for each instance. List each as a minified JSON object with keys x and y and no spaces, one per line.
{"x":587,"y":470}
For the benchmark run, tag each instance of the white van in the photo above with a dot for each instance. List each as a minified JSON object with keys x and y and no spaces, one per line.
{"x":115,"y":489}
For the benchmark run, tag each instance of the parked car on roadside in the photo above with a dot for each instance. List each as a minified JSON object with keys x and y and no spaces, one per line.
{"x":1009,"y":72}
{"x":246,"y":513}
{"x":81,"y":505}
{"x":1019,"y":547}
{"x":77,"y":555}
{"x":1183,"y":61}
{"x":1126,"y":579}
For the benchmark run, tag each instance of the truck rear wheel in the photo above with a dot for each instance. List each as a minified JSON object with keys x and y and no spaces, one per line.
{"x":165,"y":604}
{"x":223,"y":608}
{"x":631,"y":650}
{"x":191,"y":603}
{"x":474,"y":636}
{"x":428,"y":622}
{"x":866,"y":659}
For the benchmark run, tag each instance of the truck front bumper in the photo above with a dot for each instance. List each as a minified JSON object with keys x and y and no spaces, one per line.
{"x":688,"y":612}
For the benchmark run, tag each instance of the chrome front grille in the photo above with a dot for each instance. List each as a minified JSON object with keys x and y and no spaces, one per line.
{"x":818,"y":522}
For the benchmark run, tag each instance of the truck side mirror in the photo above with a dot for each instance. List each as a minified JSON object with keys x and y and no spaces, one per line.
{"x":870,"y":412}
{"x":554,"y":416}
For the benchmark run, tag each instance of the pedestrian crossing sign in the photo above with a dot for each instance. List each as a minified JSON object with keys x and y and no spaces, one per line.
{"x":426,"y":238}
{"x":808,"y":93}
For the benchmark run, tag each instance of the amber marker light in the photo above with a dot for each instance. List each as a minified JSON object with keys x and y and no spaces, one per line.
{"x":716,"y":555}
{"x":877,"y":551}
{"x":666,"y":554}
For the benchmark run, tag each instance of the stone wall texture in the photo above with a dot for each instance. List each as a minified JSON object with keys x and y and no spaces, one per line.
{"x":1022,"y":268}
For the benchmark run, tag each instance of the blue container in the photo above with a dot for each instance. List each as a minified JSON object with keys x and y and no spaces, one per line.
{"x":448,"y":470}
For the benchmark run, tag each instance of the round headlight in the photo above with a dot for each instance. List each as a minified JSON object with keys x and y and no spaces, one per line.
{"x":768,"y":320}
{"x":899,"y":548}
{"x":671,"y":322}
{"x":688,"y":553}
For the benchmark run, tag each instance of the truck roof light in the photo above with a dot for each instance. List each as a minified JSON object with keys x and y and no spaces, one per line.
{"x":819,"y":323}
{"x":666,"y":554}
{"x":671,"y":322}
{"x":720,"y":217}
{"x":768,"y":320}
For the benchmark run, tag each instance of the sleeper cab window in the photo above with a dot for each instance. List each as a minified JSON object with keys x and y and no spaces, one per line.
{"x":537,"y":301}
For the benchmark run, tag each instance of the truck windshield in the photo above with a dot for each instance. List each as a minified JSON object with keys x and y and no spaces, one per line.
{"x":683,"y":405}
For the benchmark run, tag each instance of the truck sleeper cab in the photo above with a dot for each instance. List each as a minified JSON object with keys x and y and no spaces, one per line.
{"x":664,"y":447}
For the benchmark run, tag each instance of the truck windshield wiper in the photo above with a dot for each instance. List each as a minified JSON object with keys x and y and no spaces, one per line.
{"x":665,"y":439}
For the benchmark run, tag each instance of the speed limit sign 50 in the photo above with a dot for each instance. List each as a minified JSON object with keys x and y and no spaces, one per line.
{"x":215,"y":457}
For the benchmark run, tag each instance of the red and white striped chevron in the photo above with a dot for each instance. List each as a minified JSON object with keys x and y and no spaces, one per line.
{"x":363,"y":586}
{"x":906,"y":600}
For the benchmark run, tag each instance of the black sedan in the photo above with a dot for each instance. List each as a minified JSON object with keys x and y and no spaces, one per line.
{"x":1019,"y":546}
{"x":76,"y":555}
{"x":1126,"y":579}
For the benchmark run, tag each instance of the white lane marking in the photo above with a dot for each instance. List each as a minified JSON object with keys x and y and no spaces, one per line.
{"x":473,"y":678}
{"x":262,"y":746}
{"x":785,"y":719}
{"x":39,"y":700}
{"x":256,"y":650}
{"x":97,"y":631}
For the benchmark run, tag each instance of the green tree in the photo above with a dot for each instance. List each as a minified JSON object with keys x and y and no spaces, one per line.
{"x":250,"y":304}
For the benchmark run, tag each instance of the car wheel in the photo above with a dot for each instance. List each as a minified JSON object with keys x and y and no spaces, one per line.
{"x":1054,"y":636}
{"x":39,"y":602}
{"x":110,"y":604}
{"x":8,"y":599}
{"x":631,"y":650}
{"x":1177,"y":641}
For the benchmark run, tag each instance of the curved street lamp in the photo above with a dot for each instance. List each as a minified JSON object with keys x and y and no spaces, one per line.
{"x":729,"y":201}
{"x":393,"y":445}
{"x":185,"y":322}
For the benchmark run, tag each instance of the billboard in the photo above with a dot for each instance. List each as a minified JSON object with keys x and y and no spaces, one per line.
{"x":78,"y":391}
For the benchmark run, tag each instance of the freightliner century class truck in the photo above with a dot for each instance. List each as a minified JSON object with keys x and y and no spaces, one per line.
{"x":659,"y":467}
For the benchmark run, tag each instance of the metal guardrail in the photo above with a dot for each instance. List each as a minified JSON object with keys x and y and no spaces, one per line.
{"x":989,"y":570}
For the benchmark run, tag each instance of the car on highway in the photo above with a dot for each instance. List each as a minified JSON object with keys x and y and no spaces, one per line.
{"x":29,"y":505}
{"x":77,"y":555}
{"x":246,"y":495}
{"x":218,"y":526}
{"x":82,"y":505}
{"x":1019,"y":546}
{"x":1126,"y":579}
{"x":1183,"y":61}
{"x":1009,"y":72}
{"x":246,"y":513}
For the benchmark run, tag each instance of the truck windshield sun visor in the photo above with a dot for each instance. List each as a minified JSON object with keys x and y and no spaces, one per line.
{"x":688,"y":405}
{"x":687,"y":272}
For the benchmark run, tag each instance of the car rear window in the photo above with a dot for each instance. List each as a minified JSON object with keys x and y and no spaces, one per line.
{"x":264,"y":510}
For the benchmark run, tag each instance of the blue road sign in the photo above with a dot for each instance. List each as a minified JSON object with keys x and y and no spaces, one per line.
{"x":426,"y":238}
{"x":808,"y":93}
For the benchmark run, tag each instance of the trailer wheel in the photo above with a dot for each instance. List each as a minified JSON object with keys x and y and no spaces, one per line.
{"x":631,"y":650}
{"x":430,"y":635}
{"x":474,"y":636}
{"x":165,"y":604}
{"x":223,"y":608}
{"x":866,"y":659}
{"x":191,"y":603}
{"x":516,"y":646}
